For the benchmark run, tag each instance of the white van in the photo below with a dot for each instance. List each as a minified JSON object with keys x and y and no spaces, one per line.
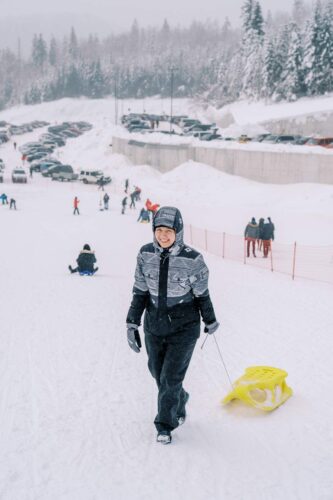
{"x":90,"y":176}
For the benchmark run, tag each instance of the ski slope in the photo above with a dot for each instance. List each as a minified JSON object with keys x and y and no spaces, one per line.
{"x":77,"y":405}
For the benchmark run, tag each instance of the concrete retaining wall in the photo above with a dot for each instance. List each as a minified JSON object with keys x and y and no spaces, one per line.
{"x":263,"y":166}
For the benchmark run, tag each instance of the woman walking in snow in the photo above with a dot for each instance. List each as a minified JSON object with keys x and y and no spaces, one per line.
{"x":171,"y":286}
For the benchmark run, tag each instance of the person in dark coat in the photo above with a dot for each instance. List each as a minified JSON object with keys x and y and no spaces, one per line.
{"x":12,"y":204}
{"x":171,"y":287}
{"x":144,"y":215}
{"x":133,"y":197}
{"x":85,"y":261}
{"x":251,"y":235}
{"x":123,"y":204}
{"x":272,"y":226}
{"x":106,"y":199}
{"x":267,"y":236}
{"x":260,"y":232}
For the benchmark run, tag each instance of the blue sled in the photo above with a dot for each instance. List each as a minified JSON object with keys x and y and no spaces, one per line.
{"x":87,"y":273}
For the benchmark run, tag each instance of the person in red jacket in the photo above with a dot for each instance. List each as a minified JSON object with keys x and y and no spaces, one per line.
{"x":148,"y":204}
{"x":154,"y":208}
{"x":76,"y":206}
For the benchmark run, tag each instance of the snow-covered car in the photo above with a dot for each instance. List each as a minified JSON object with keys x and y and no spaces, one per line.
{"x":90,"y":176}
{"x":19,"y":175}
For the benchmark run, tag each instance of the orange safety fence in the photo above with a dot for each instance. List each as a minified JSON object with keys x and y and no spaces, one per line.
{"x":298,"y":261}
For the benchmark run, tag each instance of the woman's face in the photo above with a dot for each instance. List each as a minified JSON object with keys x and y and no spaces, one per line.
{"x":165,"y":236}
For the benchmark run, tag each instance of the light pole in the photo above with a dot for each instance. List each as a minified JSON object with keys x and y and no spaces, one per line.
{"x":172,"y":69}
{"x":116,"y":99}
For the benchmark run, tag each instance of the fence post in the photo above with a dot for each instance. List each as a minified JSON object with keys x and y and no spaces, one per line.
{"x":206,"y":245}
{"x":294,"y":261}
{"x":271,"y":249}
{"x":223,"y":245}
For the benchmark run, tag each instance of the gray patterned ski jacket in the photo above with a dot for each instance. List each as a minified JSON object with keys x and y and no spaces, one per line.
{"x":171,"y":286}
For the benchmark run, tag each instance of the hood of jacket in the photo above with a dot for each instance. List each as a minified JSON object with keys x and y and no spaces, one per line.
{"x":172,"y":218}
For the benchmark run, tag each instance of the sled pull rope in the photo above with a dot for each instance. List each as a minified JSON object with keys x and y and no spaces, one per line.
{"x":220,"y":354}
{"x":223,"y":363}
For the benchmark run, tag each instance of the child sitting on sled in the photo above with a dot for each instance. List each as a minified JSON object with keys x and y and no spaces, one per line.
{"x":85,"y":262}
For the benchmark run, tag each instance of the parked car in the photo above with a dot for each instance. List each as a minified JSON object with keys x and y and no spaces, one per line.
{"x":260,"y":137}
{"x":300,"y":141}
{"x":93,"y":177}
{"x":1,"y":176}
{"x":43,"y":164}
{"x":19,"y":175}
{"x":2,"y":164}
{"x":36,"y":156}
{"x":319,"y":141}
{"x":286,"y":139}
{"x":210,"y":137}
{"x":61,"y":173}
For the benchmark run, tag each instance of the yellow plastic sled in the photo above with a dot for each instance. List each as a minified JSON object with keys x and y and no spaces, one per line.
{"x":261,"y":386}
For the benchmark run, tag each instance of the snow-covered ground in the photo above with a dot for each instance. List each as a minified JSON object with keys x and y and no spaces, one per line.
{"x":77,"y":405}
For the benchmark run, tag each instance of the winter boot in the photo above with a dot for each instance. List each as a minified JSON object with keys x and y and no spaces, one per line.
{"x":182,"y":417}
{"x":71,"y":269}
{"x":164,"y":437}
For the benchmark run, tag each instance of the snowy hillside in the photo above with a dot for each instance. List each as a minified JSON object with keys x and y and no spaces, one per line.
{"x":77,"y":405}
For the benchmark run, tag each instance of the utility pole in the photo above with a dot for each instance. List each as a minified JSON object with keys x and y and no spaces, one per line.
{"x":171,"y":96}
{"x":116,"y":100}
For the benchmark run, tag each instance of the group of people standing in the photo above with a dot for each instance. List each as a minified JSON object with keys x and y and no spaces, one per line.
{"x":12,"y":201}
{"x":259,"y":234}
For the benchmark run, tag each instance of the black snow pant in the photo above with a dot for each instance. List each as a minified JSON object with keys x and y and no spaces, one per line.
{"x":168,"y":361}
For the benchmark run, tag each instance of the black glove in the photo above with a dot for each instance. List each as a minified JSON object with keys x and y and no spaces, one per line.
{"x":212,"y":327}
{"x":133,"y":337}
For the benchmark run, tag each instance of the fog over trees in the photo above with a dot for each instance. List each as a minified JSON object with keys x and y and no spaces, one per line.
{"x":282,"y":57}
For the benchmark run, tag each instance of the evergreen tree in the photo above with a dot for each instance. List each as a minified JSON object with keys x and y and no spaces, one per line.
{"x":247,"y":13}
{"x":73,"y":48}
{"x":317,"y":54}
{"x":53,"y":52}
{"x":39,"y":51}
{"x":257,"y":20}
{"x":292,"y":78}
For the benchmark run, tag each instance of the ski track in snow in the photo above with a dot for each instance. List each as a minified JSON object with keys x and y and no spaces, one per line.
{"x":77,"y":405}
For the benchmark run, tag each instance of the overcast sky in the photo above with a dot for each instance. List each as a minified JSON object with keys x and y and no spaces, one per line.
{"x":120,"y":13}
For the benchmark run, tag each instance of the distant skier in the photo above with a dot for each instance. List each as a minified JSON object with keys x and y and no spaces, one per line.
{"x":123,"y":204}
{"x":106,"y":199}
{"x":126,"y":185}
{"x":15,"y":145}
{"x":137,"y":192}
{"x":85,"y":261}
{"x":12,"y":204}
{"x":76,"y":205}
{"x":132,"y":196}
{"x":101,"y":183}
{"x":171,"y":286}
{"x":4,"y":199}
{"x":144,"y":216}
